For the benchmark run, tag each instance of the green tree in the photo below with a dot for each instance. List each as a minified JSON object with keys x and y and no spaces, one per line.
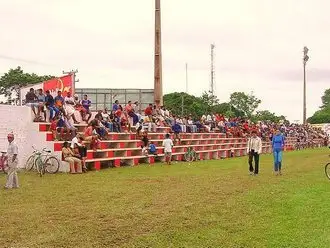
{"x":191,"y":104}
{"x":266,"y":115}
{"x":247,"y":104}
{"x":323,"y":114}
{"x":320,"y":116}
{"x":326,"y":99}
{"x":14,"y":79}
{"x":209,"y":101}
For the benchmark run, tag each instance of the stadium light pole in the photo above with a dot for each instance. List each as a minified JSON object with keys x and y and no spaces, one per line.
{"x":305,"y":59}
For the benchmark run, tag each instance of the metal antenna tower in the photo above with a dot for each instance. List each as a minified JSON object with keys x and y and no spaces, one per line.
{"x":212,"y":85}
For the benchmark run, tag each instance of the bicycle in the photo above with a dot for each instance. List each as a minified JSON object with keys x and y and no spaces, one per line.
{"x":190,"y":155}
{"x":3,"y":162}
{"x":327,"y":169}
{"x":43,"y":161}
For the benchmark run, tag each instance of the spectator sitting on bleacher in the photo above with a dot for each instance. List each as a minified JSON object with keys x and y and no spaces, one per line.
{"x":79,"y":107}
{"x":59,"y":102}
{"x":148,"y":110}
{"x":86,"y":103}
{"x":31,"y":100}
{"x":115,"y":106}
{"x":139,"y":127}
{"x":41,"y":105}
{"x":100,"y":128}
{"x":69,"y":107}
{"x":91,"y":135}
{"x":145,"y":143}
{"x":130,"y":112}
{"x":136,"y":109}
{"x":115,"y":122}
{"x":67,"y":130}
{"x":149,"y":124}
{"x":192,"y":128}
{"x":79,"y":150}
{"x":152,"y":149}
{"x":177,"y":130}
{"x":182,"y":126}
{"x":69,"y":157}
{"x":50,"y":104}
{"x":53,"y":127}
{"x":106,"y":120}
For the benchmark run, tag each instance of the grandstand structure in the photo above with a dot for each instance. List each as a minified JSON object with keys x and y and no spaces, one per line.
{"x":125,"y":148}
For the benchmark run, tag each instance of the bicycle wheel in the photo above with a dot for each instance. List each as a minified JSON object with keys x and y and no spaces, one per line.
{"x":52,"y":165}
{"x":327,"y":170}
{"x":30,"y":163}
{"x":188,"y":157}
{"x":40,"y":166}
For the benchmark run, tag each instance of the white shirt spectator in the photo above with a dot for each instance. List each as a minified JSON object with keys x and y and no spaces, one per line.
{"x":168,"y":144}
{"x":105,"y":116}
{"x":254,"y":143}
{"x":75,"y":141}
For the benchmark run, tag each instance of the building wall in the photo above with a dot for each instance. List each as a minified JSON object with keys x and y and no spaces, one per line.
{"x":18,"y":119}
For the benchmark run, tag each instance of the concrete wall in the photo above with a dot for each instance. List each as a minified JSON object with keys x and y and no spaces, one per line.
{"x":18,"y":119}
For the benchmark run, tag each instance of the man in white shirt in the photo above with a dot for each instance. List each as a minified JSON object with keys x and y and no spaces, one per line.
{"x":168,"y":144}
{"x":12,"y":153}
{"x":254,"y":149}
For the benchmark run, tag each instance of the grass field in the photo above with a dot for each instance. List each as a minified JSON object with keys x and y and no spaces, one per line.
{"x":205,"y":204}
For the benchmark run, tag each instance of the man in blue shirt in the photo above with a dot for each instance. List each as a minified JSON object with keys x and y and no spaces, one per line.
{"x":278,"y":147}
{"x":50,"y":104}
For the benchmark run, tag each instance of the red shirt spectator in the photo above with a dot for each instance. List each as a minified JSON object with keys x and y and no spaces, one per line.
{"x":148,"y":111}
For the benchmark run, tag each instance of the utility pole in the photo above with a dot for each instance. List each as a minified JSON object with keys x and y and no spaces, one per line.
{"x":305,"y":59}
{"x":74,"y":80}
{"x":212,"y":70}
{"x":158,"y":84}
{"x":187,"y":78}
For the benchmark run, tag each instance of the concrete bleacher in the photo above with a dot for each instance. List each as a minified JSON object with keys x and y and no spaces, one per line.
{"x":125,"y":149}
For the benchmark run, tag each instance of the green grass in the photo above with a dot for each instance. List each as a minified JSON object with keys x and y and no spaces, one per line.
{"x":205,"y":204}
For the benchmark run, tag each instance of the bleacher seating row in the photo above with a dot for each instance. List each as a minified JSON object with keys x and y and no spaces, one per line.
{"x":125,"y":149}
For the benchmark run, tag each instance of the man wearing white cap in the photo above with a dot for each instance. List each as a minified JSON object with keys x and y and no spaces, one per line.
{"x":12,"y":152}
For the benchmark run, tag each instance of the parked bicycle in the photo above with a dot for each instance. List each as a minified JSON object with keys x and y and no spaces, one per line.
{"x":43,"y":161}
{"x":3,"y":162}
{"x":190,"y":155}
{"x":327,"y":169}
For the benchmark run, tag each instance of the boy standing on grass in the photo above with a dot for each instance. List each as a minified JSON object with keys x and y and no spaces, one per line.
{"x":254,"y":149}
{"x":168,"y":145}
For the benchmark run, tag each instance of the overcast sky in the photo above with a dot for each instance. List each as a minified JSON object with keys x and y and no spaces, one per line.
{"x":259,"y":45}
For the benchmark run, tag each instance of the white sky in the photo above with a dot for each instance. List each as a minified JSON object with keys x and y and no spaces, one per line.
{"x":259,"y":45}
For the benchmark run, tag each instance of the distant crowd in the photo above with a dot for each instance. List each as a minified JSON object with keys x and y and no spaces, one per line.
{"x":61,"y":112}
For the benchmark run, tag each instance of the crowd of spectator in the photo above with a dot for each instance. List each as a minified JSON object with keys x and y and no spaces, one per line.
{"x":130,"y":118}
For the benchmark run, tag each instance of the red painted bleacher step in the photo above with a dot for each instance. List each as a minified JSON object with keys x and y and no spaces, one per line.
{"x":124,"y":147}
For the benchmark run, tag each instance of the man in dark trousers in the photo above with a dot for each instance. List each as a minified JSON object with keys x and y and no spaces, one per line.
{"x":254,"y":149}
